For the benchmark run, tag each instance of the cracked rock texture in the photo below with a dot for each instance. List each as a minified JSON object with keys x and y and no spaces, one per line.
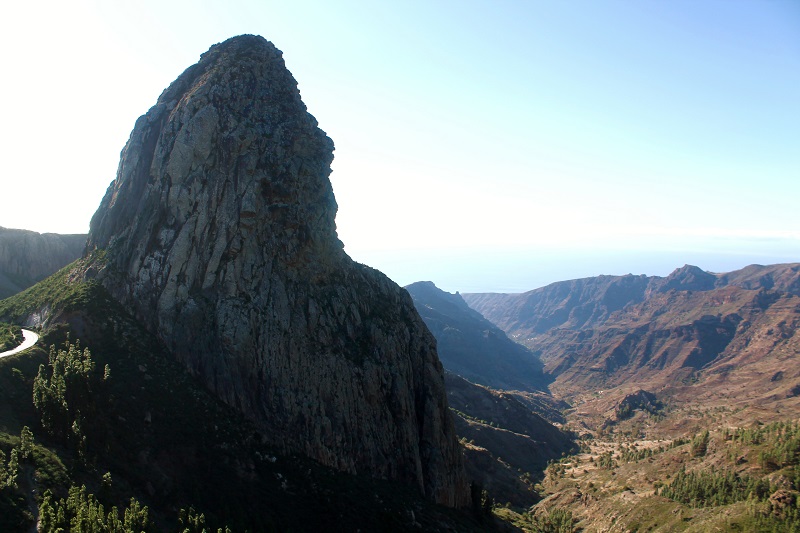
{"x":219,"y":235}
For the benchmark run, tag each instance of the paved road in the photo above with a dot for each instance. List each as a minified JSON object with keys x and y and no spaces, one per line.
{"x":30,"y":337}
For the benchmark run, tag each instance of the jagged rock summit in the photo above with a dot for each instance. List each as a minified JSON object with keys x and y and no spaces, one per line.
{"x":218,"y":233}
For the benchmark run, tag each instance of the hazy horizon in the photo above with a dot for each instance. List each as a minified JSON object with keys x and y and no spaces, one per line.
{"x":517,"y":271}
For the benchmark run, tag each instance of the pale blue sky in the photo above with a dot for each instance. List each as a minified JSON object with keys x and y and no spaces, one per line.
{"x":482,"y":145}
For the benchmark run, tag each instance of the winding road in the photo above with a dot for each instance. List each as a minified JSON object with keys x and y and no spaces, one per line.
{"x":30,"y":338}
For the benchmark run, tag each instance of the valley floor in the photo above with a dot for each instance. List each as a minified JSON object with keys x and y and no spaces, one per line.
{"x":709,"y":475}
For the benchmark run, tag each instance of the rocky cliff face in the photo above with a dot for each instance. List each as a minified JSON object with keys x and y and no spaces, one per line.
{"x":27,"y":257}
{"x":219,"y":235}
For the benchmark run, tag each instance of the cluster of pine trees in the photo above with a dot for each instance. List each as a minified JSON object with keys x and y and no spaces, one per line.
{"x":83,"y":512}
{"x":64,"y":394}
{"x":9,"y":471}
{"x":779,"y":443}
{"x":19,"y":457}
{"x":606,"y":460}
{"x":557,"y":520}
{"x":773,"y":502}
{"x":712,"y":488}
{"x":699,"y":443}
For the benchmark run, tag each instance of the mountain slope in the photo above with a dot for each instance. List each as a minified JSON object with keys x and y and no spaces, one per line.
{"x":685,"y":391}
{"x":471,"y":346}
{"x":507,"y":444}
{"x":27,"y":257}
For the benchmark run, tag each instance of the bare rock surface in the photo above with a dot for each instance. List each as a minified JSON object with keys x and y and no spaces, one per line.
{"x":218,"y":233}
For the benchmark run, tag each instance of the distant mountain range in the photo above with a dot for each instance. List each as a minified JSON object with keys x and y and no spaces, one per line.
{"x":734,"y":333}
{"x":657,"y":371}
{"x":27,"y":257}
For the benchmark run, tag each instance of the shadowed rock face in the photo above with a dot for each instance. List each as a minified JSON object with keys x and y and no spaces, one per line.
{"x":471,"y":346}
{"x":219,"y":234}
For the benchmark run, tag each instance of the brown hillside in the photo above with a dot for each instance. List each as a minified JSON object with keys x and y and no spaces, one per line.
{"x":720,"y":337}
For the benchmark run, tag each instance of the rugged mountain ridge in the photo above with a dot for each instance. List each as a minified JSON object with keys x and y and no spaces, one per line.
{"x":716,"y":331}
{"x":27,"y":257}
{"x":687,"y":381}
{"x":218,"y":234}
{"x":588,"y":302}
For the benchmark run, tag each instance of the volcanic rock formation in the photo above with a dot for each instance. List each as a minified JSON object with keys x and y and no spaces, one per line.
{"x":218,"y":233}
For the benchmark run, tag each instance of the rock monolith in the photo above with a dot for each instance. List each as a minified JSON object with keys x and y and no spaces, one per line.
{"x":218,"y":234}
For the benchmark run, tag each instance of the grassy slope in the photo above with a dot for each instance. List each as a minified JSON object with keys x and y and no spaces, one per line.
{"x":10,"y":336}
{"x":170,"y":444}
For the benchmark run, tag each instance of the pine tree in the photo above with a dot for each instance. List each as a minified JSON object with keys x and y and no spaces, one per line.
{"x":3,"y":470}
{"x":12,"y":471}
{"x":25,"y":443}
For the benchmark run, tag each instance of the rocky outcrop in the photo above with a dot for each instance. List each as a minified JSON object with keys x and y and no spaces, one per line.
{"x":27,"y":257}
{"x":218,"y":233}
{"x":640,"y":400}
{"x":783,"y":278}
{"x":686,"y":278}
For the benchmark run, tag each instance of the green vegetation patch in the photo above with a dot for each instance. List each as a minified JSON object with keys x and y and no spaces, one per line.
{"x":23,"y":464}
{"x":66,"y":291}
{"x":84,"y":512}
{"x":770,"y":490}
{"x":10,"y":336}
{"x":713,"y":488}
